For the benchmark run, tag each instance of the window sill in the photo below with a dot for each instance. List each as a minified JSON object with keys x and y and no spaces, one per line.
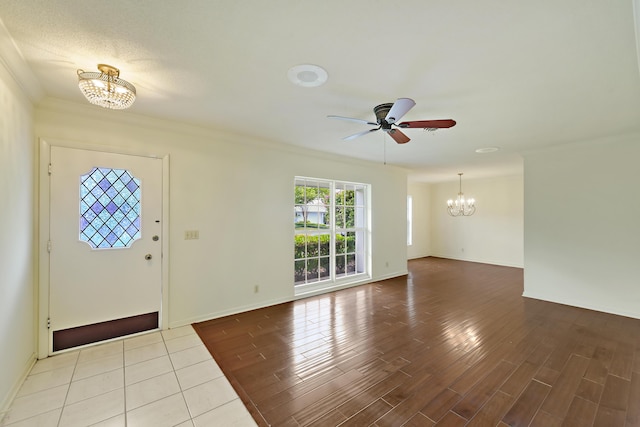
{"x":317,"y":288}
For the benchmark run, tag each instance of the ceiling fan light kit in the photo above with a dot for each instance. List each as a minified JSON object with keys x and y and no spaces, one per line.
{"x":387,"y":117}
{"x":461,"y":206}
{"x":106,"y":88}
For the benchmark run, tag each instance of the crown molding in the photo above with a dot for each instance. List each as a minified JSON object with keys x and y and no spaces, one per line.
{"x":195,"y":132}
{"x":16,"y":66}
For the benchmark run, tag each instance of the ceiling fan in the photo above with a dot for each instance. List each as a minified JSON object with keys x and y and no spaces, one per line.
{"x":387,"y":116}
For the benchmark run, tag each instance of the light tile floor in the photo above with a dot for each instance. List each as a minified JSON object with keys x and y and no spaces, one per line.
{"x":158,"y":379}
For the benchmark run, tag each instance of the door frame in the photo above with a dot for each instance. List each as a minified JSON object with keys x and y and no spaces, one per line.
{"x":44,"y":191}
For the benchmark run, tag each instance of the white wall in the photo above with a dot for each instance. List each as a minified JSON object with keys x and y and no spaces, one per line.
{"x":421,"y":195}
{"x":17,"y":325}
{"x":582,"y":230}
{"x":219,"y":185}
{"x":493,"y":235}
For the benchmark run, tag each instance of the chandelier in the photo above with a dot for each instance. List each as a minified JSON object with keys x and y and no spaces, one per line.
{"x":461,"y":206}
{"x":106,"y":88}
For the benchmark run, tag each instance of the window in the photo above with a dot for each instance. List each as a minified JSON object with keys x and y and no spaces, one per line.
{"x":109,"y":208}
{"x":409,"y":221}
{"x":330,"y":230}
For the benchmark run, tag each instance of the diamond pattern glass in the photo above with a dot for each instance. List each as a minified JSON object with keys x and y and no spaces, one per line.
{"x":109,"y":208}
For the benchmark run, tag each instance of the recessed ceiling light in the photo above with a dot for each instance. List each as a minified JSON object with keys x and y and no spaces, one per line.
{"x":487,"y":150}
{"x":307,"y":75}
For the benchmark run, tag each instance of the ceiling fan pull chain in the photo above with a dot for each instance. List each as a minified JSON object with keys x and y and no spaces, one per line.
{"x":384,"y":148}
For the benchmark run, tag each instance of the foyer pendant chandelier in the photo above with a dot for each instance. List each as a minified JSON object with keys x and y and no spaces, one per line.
{"x":106,"y":88}
{"x":461,"y":206}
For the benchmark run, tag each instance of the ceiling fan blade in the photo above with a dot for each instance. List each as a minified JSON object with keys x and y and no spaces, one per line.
{"x":399,"y":109}
{"x":428,"y":124}
{"x":355,"y":135}
{"x":351,"y":119}
{"x":398,"y":136}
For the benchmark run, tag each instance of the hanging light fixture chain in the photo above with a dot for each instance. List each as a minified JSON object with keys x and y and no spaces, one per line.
{"x":461,"y":206}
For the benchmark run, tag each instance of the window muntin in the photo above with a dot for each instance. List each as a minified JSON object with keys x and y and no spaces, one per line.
{"x":330,"y":230}
{"x":109,"y":208}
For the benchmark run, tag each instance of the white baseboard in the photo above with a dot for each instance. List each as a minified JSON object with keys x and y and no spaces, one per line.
{"x":480,"y":260}
{"x":268,"y":303}
{"x":7,"y":399}
{"x":573,"y":302}
{"x":229,"y":312}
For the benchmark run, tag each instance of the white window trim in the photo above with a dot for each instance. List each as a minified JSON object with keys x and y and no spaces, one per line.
{"x":333,"y":282}
{"x":409,"y":220}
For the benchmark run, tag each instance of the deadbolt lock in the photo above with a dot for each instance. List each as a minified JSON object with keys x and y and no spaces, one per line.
{"x":148,"y":257}
{"x":155,"y":238}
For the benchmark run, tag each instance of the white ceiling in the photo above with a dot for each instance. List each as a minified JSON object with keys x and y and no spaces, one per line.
{"x":515,"y":75}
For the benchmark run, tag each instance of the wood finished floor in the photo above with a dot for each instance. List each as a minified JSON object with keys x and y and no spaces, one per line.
{"x":452,"y":344}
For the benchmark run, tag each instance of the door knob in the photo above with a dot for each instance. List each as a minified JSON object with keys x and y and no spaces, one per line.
{"x":148,"y":257}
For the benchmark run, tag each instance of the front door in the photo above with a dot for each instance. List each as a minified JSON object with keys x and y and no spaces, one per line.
{"x":105,"y":278}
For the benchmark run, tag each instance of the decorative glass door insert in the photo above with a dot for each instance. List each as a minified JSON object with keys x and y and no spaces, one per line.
{"x":109,"y":208}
